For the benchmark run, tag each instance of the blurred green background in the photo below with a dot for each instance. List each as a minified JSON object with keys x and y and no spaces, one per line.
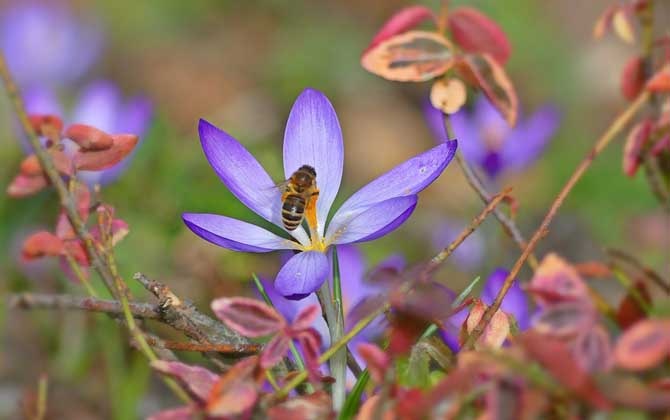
{"x":240,"y":65}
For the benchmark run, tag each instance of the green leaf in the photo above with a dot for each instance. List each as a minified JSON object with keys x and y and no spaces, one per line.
{"x":353,"y":400}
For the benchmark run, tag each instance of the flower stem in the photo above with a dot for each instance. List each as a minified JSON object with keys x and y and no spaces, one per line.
{"x":335,"y":321}
{"x":335,"y":348}
{"x":617,"y":125}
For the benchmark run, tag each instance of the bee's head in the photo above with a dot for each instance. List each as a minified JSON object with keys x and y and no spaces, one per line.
{"x":309,"y":169}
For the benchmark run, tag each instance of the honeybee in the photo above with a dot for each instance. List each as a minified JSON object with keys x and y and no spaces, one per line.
{"x":297,"y":192}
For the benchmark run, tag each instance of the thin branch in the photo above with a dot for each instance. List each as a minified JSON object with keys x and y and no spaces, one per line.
{"x":236,"y":350}
{"x":619,"y":123}
{"x":91,"y":304}
{"x":647,"y":271}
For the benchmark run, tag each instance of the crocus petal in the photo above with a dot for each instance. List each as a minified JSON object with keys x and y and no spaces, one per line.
{"x":99,"y":106}
{"x":515,"y":301}
{"x":302,"y":274}
{"x":488,"y":119}
{"x":372,"y":223}
{"x":313,"y":137}
{"x":235,"y":234}
{"x":526,"y":142}
{"x":406,"y":179}
{"x":467,"y":133}
{"x":243,"y":175}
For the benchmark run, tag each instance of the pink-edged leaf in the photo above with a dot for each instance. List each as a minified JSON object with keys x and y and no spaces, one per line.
{"x":593,"y":350}
{"x":236,"y":392}
{"x":40,"y":122}
{"x":566,"y":319}
{"x":414,"y":56}
{"x":555,"y":356}
{"x":376,"y":360}
{"x":89,"y":138}
{"x":556,"y":280}
{"x":274,"y":351}
{"x":179,"y":413}
{"x":496,"y":331}
{"x":305,"y":317}
{"x":638,"y":137}
{"x":404,"y":20}
{"x":660,"y":82}
{"x":249,"y":317}
{"x":314,"y":406}
{"x":644,"y":345}
{"x":41,"y":244}
{"x":448,"y":95}
{"x":24,"y":186}
{"x":485,"y":73}
{"x":96,"y":160}
{"x":663,"y":144}
{"x":632,"y":78}
{"x":623,"y":26}
{"x":198,"y":380}
{"x":475,"y":32}
{"x":310,"y":343}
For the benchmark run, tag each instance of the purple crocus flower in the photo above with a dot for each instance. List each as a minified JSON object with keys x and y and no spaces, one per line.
{"x":486,"y":139}
{"x":515,"y":303}
{"x":312,"y":137}
{"x":46,"y":45}
{"x":102,"y":106}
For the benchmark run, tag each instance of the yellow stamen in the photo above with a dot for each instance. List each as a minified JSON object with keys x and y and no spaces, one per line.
{"x":310,"y":216}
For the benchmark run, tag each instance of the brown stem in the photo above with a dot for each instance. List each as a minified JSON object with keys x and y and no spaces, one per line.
{"x":647,"y":271}
{"x":508,"y":225}
{"x":617,"y":125}
{"x":69,"y":302}
{"x":236,"y":350}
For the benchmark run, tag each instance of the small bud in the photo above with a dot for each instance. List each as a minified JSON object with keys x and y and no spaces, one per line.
{"x":88,"y":137}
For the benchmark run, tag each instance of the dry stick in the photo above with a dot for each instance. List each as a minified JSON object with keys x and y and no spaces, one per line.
{"x":91,"y":304}
{"x":647,"y":271}
{"x":616,"y":126}
{"x":508,"y":224}
{"x":233,"y":350}
{"x":446,"y":252}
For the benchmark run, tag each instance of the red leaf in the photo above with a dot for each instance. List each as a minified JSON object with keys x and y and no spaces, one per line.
{"x":305,"y":318}
{"x":475,"y":32}
{"x":556,"y":280}
{"x":24,"y":186}
{"x":484,"y":72}
{"x":593,"y":350}
{"x":89,"y":138}
{"x":41,"y":244}
{"x":660,"y":82}
{"x":636,"y":141}
{"x":644,"y":345}
{"x":236,"y":391}
{"x":663,"y":144}
{"x":593,"y":269}
{"x":248,"y":317}
{"x":31,"y":166}
{"x":64,"y":229}
{"x":96,"y":160}
{"x":376,"y":360}
{"x":310,"y":343}
{"x":632,"y":78}
{"x":40,"y":122}
{"x":75,"y":248}
{"x":198,"y":380}
{"x":179,"y":413}
{"x":629,"y":311}
{"x":556,"y":357}
{"x":566,"y":319}
{"x":404,"y":332}
{"x":315,"y":406}
{"x":414,"y":56}
{"x":404,"y":20}
{"x":274,"y":351}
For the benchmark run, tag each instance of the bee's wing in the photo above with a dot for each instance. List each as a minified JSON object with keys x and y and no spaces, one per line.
{"x":281,"y":186}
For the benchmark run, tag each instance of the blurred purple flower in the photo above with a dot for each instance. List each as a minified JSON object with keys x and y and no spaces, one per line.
{"x":515,"y":303}
{"x":469,"y":254}
{"x":101,"y":106}
{"x":45,"y":45}
{"x":312,"y":137}
{"x":486,"y":139}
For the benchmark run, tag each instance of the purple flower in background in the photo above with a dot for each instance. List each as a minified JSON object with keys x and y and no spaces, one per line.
{"x":469,"y":254}
{"x":102,"y":106}
{"x":312,"y":137}
{"x":44,"y":44}
{"x":486,"y":139}
{"x":515,"y":303}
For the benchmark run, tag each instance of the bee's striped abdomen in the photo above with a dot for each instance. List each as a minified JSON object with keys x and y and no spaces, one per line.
{"x":293,"y":211}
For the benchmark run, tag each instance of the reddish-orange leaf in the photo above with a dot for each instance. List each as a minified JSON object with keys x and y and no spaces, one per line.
{"x":414,"y":56}
{"x":629,"y":311}
{"x":88,"y":137}
{"x":593,"y":269}
{"x":475,"y":32}
{"x":484,"y":72}
{"x":236,"y":391}
{"x":404,"y":20}
{"x":96,"y":160}
{"x":376,"y":360}
{"x":24,"y":186}
{"x":198,"y":380}
{"x":31,"y":166}
{"x":40,"y":122}
{"x":313,"y":406}
{"x":644,"y":345}
{"x":632,"y":78}
{"x":556,"y":280}
{"x":41,"y":244}
{"x":637,"y":139}
{"x":660,"y":82}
